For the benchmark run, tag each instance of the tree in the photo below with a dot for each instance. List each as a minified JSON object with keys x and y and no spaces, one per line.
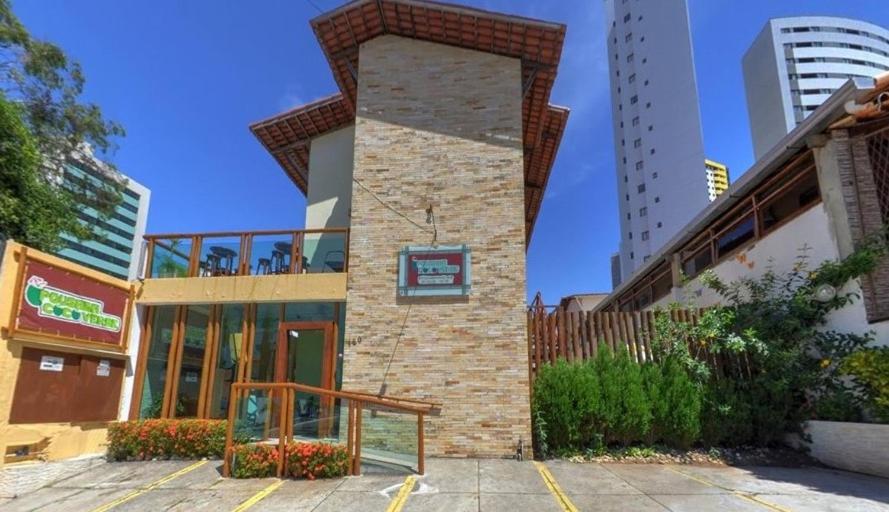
{"x":32,"y":210}
{"x":41,"y":89}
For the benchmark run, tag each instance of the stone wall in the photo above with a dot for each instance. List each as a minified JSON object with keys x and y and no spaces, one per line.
{"x":438,"y":125}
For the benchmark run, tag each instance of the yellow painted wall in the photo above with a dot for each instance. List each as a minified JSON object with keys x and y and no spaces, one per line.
{"x":320,"y":287}
{"x":61,"y":440}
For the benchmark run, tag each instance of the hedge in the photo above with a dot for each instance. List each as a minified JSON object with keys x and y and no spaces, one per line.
{"x":612,"y":400}
{"x":156,"y":438}
{"x":302,"y":460}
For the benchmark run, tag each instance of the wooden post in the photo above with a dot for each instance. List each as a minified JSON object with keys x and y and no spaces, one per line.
{"x":350,"y":437}
{"x":356,"y":467}
{"x":229,"y":432}
{"x":282,"y":428}
{"x":538,"y":330}
{"x":563,"y":338}
{"x":421,"y":448}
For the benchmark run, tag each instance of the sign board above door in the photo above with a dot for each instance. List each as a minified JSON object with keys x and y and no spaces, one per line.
{"x":425,"y":271}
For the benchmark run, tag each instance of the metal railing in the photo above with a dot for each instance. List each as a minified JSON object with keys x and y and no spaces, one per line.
{"x":283,"y":412}
{"x":247,"y":253}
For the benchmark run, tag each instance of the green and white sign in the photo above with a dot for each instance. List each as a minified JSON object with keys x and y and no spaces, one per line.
{"x":65,"y":306}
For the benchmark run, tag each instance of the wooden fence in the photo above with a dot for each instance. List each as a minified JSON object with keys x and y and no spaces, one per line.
{"x":577,"y":335}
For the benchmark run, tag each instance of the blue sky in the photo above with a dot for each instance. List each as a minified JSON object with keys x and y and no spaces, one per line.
{"x":186,"y":79}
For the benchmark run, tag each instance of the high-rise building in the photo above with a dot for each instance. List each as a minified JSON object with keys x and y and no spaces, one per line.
{"x":794,"y":64}
{"x":615,"y":270}
{"x":117,"y":248}
{"x":717,"y":179}
{"x":657,"y":124}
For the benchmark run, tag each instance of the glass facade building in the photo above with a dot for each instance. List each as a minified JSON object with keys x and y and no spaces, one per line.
{"x":116,"y":250}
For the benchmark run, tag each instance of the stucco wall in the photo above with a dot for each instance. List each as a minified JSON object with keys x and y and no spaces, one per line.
{"x":320,"y":287}
{"x":54,"y":440}
{"x":780,"y":250}
{"x":330,"y":180}
{"x":442,"y":126}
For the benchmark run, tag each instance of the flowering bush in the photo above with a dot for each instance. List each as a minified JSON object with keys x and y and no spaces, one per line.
{"x":255,"y":461}
{"x":316,"y":460}
{"x":148,"y":439}
{"x":302,"y":460}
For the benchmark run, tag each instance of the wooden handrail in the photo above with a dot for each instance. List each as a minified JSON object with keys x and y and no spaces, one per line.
{"x":214,"y":234}
{"x":349,"y":395}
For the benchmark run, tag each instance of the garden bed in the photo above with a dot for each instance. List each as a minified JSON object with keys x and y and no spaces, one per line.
{"x":741,"y":456}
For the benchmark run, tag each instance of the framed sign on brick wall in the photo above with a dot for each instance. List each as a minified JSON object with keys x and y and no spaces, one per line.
{"x":425,"y":271}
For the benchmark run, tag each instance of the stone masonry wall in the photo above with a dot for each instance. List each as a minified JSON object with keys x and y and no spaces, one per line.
{"x":441,"y":125}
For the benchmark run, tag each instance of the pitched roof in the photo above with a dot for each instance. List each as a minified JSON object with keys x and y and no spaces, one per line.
{"x":341,"y":31}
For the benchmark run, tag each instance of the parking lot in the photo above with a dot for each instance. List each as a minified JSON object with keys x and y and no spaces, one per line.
{"x":453,"y":485}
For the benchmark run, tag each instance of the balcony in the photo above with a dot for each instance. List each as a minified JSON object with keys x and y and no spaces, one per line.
{"x":250,"y":253}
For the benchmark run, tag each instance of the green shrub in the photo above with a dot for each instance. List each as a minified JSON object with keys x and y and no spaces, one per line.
{"x":726,"y":416}
{"x":870,"y":367}
{"x":565,"y":406}
{"x":677,"y":416}
{"x":148,"y":439}
{"x":625,"y":409}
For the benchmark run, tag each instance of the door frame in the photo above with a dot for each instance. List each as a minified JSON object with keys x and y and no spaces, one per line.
{"x":328,"y":363}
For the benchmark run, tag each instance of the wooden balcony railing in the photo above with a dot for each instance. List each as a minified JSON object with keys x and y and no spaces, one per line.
{"x":268,"y":413}
{"x":248,"y":253}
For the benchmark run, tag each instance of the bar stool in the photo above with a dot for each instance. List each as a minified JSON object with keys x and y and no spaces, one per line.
{"x":263,"y":267}
{"x":226,"y":260}
{"x":210,"y":266}
{"x":283,"y":249}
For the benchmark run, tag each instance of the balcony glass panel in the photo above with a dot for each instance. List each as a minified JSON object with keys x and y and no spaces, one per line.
{"x":324,"y":252}
{"x":171,"y":256}
{"x":219,"y":256}
{"x":271,"y":254}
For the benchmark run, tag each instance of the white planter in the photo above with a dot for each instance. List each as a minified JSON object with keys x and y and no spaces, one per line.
{"x":859,"y":447}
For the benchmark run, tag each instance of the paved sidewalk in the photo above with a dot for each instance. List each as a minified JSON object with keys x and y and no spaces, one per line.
{"x":453,"y":485}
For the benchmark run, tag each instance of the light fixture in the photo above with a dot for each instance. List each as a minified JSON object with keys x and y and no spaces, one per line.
{"x":824,"y":293}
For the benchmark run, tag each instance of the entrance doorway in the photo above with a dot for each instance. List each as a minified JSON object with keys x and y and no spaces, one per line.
{"x":307,"y":355}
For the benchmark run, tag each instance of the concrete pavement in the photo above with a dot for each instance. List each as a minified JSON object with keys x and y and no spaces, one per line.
{"x":455,"y":485}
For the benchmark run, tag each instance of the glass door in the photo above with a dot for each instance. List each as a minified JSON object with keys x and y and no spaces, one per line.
{"x":305,"y":355}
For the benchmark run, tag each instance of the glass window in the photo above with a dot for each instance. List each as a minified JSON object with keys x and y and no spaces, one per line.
{"x":156,"y":364}
{"x":790,"y":202}
{"x":264,"y":342}
{"x":735,"y":236}
{"x":308,"y":311}
{"x":697,"y":261}
{"x":228,"y":355}
{"x":194,"y":347}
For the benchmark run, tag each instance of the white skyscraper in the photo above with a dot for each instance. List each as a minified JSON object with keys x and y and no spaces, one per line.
{"x":796,"y":63}
{"x":661,"y":178}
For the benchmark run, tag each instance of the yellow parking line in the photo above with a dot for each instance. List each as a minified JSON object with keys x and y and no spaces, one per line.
{"x":745,"y":496}
{"x":404,"y":492}
{"x":158,"y":483}
{"x":554,"y":488}
{"x":256,"y":498}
